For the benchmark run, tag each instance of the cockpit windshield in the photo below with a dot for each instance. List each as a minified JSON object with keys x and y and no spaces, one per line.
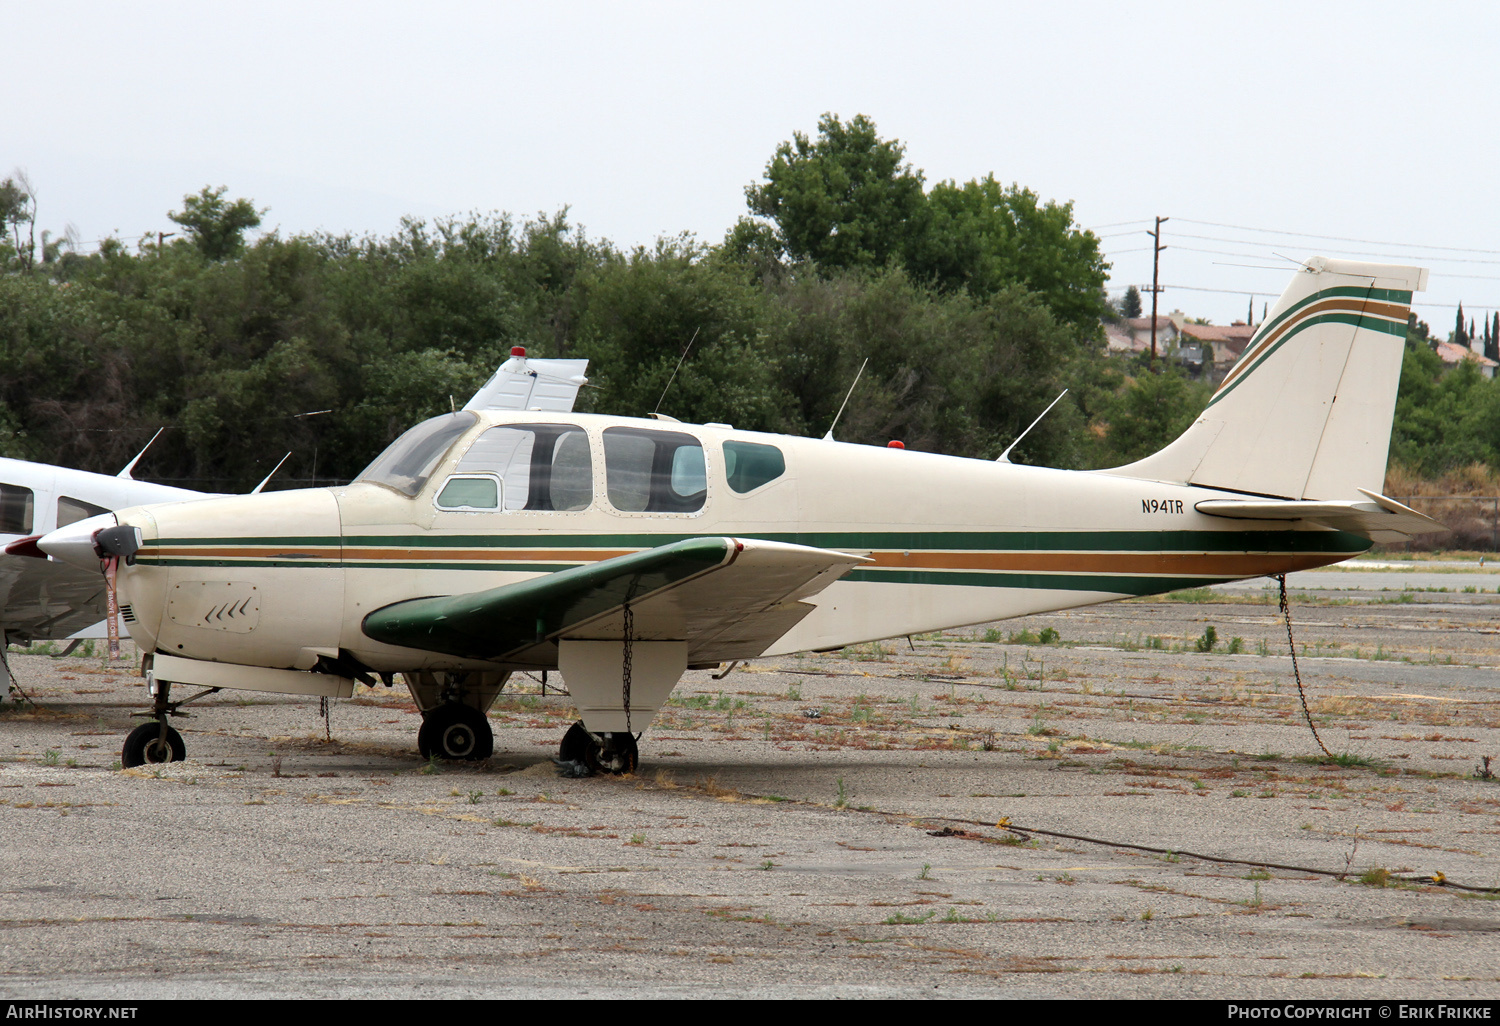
{"x":409,"y":461}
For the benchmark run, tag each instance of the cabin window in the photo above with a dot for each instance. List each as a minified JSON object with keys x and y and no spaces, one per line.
{"x":71,"y":510}
{"x":409,"y":461}
{"x":470,"y":493}
{"x":537,"y":467}
{"x":748,"y":465}
{"x":654,"y":471}
{"x":16,"y":504}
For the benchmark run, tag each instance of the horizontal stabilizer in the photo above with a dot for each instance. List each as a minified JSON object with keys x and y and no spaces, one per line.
{"x":1380,"y":514}
{"x":728,"y":598}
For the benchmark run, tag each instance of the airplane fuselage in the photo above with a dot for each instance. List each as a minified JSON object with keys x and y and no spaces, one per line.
{"x":284,"y":579}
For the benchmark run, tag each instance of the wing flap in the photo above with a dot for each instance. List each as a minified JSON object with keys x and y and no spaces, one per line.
{"x":728,"y":598}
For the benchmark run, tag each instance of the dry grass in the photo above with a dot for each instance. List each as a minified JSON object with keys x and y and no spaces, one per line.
{"x":1475,"y":479}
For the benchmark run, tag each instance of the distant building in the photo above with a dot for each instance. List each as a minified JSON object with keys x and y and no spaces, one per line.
{"x":1221,"y":345}
{"x":1133,"y":335}
{"x":1453,"y":354}
{"x":1201,"y":349}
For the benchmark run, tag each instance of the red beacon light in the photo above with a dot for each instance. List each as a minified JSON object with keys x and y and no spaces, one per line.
{"x":518,"y":351}
{"x":895,"y":443}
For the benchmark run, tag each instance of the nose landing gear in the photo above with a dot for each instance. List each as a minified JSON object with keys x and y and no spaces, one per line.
{"x":155,"y":741}
{"x":152,"y":742}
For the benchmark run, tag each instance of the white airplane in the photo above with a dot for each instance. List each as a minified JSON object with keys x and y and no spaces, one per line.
{"x":45,"y":600}
{"x":624,"y":552}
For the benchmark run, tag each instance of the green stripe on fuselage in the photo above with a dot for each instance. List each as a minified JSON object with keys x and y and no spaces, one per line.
{"x":937,"y":541}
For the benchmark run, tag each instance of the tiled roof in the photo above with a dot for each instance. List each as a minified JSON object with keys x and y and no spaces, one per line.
{"x":1451,"y":353}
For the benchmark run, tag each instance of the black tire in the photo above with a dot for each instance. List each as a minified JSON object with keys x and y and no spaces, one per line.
{"x":618,"y":755}
{"x":143,"y":745}
{"x":574,"y":743}
{"x":456,"y":731}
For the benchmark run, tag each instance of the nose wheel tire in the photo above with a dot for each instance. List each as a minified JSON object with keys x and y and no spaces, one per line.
{"x":616,"y":756}
{"x":144,"y":744}
{"x":455,"y":731}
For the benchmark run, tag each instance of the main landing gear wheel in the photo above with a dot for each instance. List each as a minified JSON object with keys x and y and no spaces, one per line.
{"x":455,"y":731}
{"x":617,"y":756}
{"x":144,"y":744}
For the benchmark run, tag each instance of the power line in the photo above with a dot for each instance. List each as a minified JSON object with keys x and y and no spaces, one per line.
{"x":1119,"y":224}
{"x":1385,"y":256}
{"x":1340,"y":238}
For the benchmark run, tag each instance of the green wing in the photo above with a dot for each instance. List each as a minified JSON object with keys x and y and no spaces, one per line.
{"x":728,"y":598}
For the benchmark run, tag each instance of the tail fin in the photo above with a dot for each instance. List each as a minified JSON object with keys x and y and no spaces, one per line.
{"x":1306,"y":411}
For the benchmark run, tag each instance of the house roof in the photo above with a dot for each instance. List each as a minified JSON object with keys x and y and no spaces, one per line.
{"x":1121,"y":339}
{"x":1450,"y":352}
{"x":1163,"y":322}
{"x":1229,"y":338}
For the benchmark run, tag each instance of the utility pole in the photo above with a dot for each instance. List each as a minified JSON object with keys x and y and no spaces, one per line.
{"x":1155,"y":281}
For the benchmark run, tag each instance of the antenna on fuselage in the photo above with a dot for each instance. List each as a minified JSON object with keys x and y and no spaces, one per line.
{"x":674,"y":372}
{"x":131,"y":465}
{"x":1004,"y":457}
{"x":829,"y":437}
{"x":257,"y":488}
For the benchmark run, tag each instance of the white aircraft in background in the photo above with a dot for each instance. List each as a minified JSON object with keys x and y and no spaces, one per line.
{"x":52,"y":601}
{"x":624,"y":552}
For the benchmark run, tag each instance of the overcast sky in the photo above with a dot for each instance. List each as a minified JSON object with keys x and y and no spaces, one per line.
{"x":1370,"y":127}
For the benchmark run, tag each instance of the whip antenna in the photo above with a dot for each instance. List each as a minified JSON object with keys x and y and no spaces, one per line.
{"x":829,"y":437}
{"x":674,"y":372}
{"x":1005,"y":456}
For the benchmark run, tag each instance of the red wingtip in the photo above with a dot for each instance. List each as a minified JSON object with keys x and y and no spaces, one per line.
{"x":26,"y":547}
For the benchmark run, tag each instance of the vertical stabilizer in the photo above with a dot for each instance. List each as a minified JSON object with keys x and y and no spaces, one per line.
{"x":1306,"y":412}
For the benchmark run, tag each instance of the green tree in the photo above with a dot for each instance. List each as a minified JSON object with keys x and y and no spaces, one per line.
{"x":948,"y":372}
{"x":1445,"y":418}
{"x":641,"y":313}
{"x":984,"y":236}
{"x":1130,"y":306}
{"x":216,"y":227}
{"x":845,"y":200}
{"x":18,"y":211}
{"x":1152,"y":410}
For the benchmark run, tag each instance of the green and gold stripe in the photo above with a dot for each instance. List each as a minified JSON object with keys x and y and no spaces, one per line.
{"x":1126,"y":562}
{"x":1383,"y":310}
